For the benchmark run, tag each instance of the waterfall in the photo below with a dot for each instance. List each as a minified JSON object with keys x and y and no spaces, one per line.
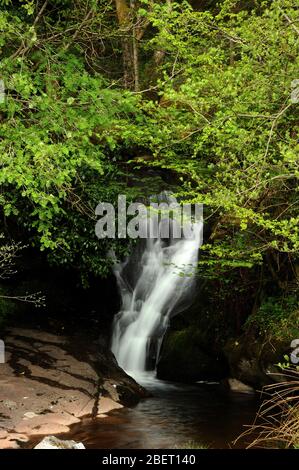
{"x":155,"y":282}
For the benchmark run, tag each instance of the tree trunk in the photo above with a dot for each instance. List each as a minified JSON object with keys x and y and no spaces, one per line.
{"x":124,"y":16}
{"x":135,"y":50}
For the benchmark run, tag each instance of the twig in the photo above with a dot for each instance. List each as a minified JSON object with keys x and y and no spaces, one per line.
{"x":273,"y":126}
{"x":291,"y":23}
{"x":41,"y":11}
{"x":37,"y":18}
{"x":78,"y":30}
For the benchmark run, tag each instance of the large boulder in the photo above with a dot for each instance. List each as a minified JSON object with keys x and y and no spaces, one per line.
{"x":184,"y":358}
{"x":51,"y":381}
{"x":253,"y":360}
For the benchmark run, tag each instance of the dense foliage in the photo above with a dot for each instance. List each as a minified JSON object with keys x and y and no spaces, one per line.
{"x":101,"y":96}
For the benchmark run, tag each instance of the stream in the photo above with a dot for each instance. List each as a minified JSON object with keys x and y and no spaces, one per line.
{"x":203,"y":414}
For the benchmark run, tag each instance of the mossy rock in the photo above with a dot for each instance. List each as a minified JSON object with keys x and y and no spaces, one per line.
{"x":253,"y":359}
{"x":184,"y":359}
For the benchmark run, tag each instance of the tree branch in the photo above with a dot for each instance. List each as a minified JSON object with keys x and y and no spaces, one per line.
{"x":22,"y":47}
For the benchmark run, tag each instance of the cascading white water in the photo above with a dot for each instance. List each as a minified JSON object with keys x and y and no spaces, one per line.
{"x":152,"y":289}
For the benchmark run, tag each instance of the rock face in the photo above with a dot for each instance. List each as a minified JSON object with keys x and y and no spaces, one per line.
{"x":52,"y":442}
{"x":50,"y":382}
{"x":184,"y":360}
{"x":252,"y":360}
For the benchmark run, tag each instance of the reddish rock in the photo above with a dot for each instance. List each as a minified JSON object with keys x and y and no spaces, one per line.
{"x":50,"y":382}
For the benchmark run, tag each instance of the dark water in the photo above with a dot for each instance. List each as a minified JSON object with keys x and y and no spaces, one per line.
{"x":174,"y":416}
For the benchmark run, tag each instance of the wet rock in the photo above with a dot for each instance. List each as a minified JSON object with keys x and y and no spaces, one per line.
{"x":51,"y":442}
{"x":50,"y":382}
{"x":236,"y":385}
{"x":107,"y":404}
